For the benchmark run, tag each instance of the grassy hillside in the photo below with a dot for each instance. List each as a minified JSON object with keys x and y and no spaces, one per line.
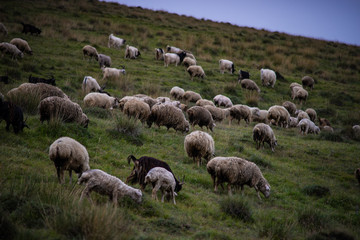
{"x":34,"y":206}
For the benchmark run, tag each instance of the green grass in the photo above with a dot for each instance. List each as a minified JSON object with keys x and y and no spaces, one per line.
{"x":34,"y":206}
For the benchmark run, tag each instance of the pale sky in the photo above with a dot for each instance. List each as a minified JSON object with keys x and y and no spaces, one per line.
{"x":332,"y":20}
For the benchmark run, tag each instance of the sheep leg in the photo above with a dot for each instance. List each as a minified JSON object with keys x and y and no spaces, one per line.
{"x":162,"y":195}
{"x":115,"y":197}
{"x":70,"y":175}
{"x":58,"y":172}
{"x":229,"y":189}
{"x":86,"y":192}
{"x":154,"y":191}
{"x":173,"y":196}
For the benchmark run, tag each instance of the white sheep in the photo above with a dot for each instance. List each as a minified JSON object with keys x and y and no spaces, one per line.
{"x":68,"y":154}
{"x":311,"y":113}
{"x":171,"y":49}
{"x":11,"y":49}
{"x":293,"y":122}
{"x":300,"y":93}
{"x":199,"y":145}
{"x":90,"y":84}
{"x":112,"y":73}
{"x":131,"y":52}
{"x":138,"y":109}
{"x":159,"y":54}
{"x":101,"y":100}
{"x":258,"y":115}
{"x":106,"y":184}
{"x":195,"y":71}
{"x":226,"y":65}
{"x":22,"y":45}
{"x":204,"y":102}
{"x":301,"y":115}
{"x":263,"y":133}
{"x":173,"y":58}
{"x":162,"y":179}
{"x":221,"y":100}
{"x":91,"y":52}
{"x":249,"y":84}
{"x":268,"y":77}
{"x":104,"y":60}
{"x":307,"y":126}
{"x":190,"y":96}
{"x":189,"y":62}
{"x":177,"y":92}
{"x":115,"y":42}
{"x":279,"y":114}
{"x":239,"y":112}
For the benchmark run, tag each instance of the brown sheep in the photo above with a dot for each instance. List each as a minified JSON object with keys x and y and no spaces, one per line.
{"x":200,"y":116}
{"x":308,"y":82}
{"x":239,"y":112}
{"x":291,"y":107}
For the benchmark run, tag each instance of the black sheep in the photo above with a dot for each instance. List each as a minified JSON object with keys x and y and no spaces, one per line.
{"x":13,"y":115}
{"x":30,"y":28}
{"x":50,"y":81}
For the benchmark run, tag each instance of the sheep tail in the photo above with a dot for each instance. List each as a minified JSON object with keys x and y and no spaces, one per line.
{"x":131,"y":157}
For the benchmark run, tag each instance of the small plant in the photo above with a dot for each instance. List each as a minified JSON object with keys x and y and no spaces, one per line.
{"x":316,"y":190}
{"x":252,"y":98}
{"x":274,"y":228}
{"x":28,"y":103}
{"x":237,"y":208}
{"x":312,"y":219}
{"x":128,"y":128}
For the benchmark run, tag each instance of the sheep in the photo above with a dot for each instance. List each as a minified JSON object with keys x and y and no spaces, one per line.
{"x":280,"y":115}
{"x":159,"y":54}
{"x":104,"y":60}
{"x":63,"y":109}
{"x":263,"y":133}
{"x":204,"y":102}
{"x":173,"y":58}
{"x":189,"y":62}
{"x":218,"y":114}
{"x":249,"y":84}
{"x":243,"y":75}
{"x":190,"y":96}
{"x":327,"y":129}
{"x":199,"y":145}
{"x":68,"y":154}
{"x":268,"y":77}
{"x":291,"y":107}
{"x":13,"y":115}
{"x":171,"y":49}
{"x":137,"y":109}
{"x":30,"y":28}
{"x":226,"y":65}
{"x":293,"y":122}
{"x":222,"y":101}
{"x":190,"y":55}
{"x":177,"y":93}
{"x":200,"y":116}
{"x":131,"y":52}
{"x":22,"y":45}
{"x":112,"y":73}
{"x":237,"y":172}
{"x":106,"y":184}
{"x":356,"y":131}
{"x":115,"y":42}
{"x":161,"y":179}
{"x":50,"y":81}
{"x":101,"y":100}
{"x":141,"y":168}
{"x":90,"y":84}
{"x":168,"y":116}
{"x":307,"y":126}
{"x":324,"y":122}
{"x":163,"y":99}
{"x":239,"y":112}
{"x":300,"y":93}
{"x":91,"y":52}
{"x":301,"y":115}
{"x":258,"y":115}
{"x":124,"y":100}
{"x":357,"y":174}
{"x":312,"y":114}
{"x":8,"y":48}
{"x":308,"y":82}
{"x":3,"y":29}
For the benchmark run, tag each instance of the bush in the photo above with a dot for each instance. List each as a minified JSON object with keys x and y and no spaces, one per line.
{"x":237,"y":208}
{"x":316,"y":190}
{"x":127,"y":128}
{"x":312,"y":219}
{"x":252,"y":98}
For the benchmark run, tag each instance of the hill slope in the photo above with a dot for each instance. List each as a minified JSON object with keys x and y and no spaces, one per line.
{"x":34,"y":205}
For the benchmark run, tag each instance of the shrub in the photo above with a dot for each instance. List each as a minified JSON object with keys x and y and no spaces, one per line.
{"x":316,"y":190}
{"x":274,"y":228}
{"x":127,"y":128}
{"x":312,"y":219}
{"x":252,"y":98}
{"x":237,"y":208}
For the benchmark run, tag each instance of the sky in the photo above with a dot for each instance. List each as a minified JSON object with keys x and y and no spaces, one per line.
{"x":333,"y":20}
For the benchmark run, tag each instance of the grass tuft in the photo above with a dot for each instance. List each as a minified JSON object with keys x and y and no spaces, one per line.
{"x":316,"y":190}
{"x":312,"y":219}
{"x":237,"y":208}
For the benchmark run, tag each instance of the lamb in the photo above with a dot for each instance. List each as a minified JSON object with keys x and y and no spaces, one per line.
{"x":143,"y":165}
{"x":258,"y":115}
{"x":280,"y":115}
{"x":50,"y":81}
{"x":199,"y":145}
{"x":90,"y":84}
{"x":171,"y":49}
{"x":237,"y":172}
{"x":104,"y":60}
{"x":226,"y":65}
{"x":293,"y":122}
{"x":101,"y":100}
{"x":31,"y":29}
{"x":8,"y":48}
{"x":239,"y":112}
{"x":168,"y":116}
{"x":106,"y":184}
{"x":189,"y":62}
{"x":91,"y":52}
{"x":250,"y":85}
{"x":243,"y":75}
{"x":357,"y":174}
{"x":22,"y":45}
{"x":68,"y":154}
{"x":263,"y":133}
{"x":301,"y":115}
{"x":308,"y":82}
{"x":268,"y":77}
{"x":112,"y":73}
{"x":161,"y":179}
{"x":222,"y":101}
{"x":312,"y":114}
{"x":307,"y":126}
{"x":195,"y":71}
{"x":291,"y":107}
{"x":115,"y":42}
{"x":137,"y":109}
{"x":159,"y":54}
{"x":3,"y":29}
{"x":190,"y":96}
{"x":173,"y":58}
{"x":63,"y":109}
{"x":204,"y":102}
{"x":200,"y":116}
{"x":13,"y":115}
{"x":177,"y":93}
{"x":131,"y":52}
{"x":218,"y":114}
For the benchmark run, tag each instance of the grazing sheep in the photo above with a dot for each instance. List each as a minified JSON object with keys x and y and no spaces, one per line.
{"x":50,"y":81}
{"x":131,"y":52}
{"x":177,"y":93}
{"x":168,"y":116}
{"x":189,"y":62}
{"x":222,"y":101}
{"x":159,"y":54}
{"x":63,"y":109}
{"x":31,"y":29}
{"x":115,"y":42}
{"x":312,"y":114}
{"x":112,"y":73}
{"x":218,"y":114}
{"x":308,"y":82}
{"x":263,"y":133}
{"x":324,"y":122}
{"x":137,"y":109}
{"x":300,"y":93}
{"x":171,"y":49}
{"x":280,"y":115}
{"x":68,"y":154}
{"x":13,"y":115}
{"x":356,"y":131}
{"x":226,"y":65}
{"x":243,"y":75}
{"x":11,"y":49}
{"x":249,"y":84}
{"x":101,"y":100}
{"x":163,"y":99}
{"x":3,"y":29}
{"x":204,"y":102}
{"x":124,"y":100}
{"x":90,"y":84}
{"x":161,"y":179}
{"x":307,"y":126}
{"x":106,"y":184}
{"x":239,"y":112}
{"x":173,"y":58}
{"x":301,"y":115}
{"x":357,"y":174}
{"x":91,"y":52}
{"x":22,"y":45}
{"x":200,"y":116}
{"x":190,"y":96}
{"x":291,"y":107}
{"x":104,"y":60}
{"x":190,"y":55}
{"x":268,"y":77}
{"x":199,"y":145}
{"x":293,"y":122}
{"x":237,"y":172}
{"x":258,"y":115}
